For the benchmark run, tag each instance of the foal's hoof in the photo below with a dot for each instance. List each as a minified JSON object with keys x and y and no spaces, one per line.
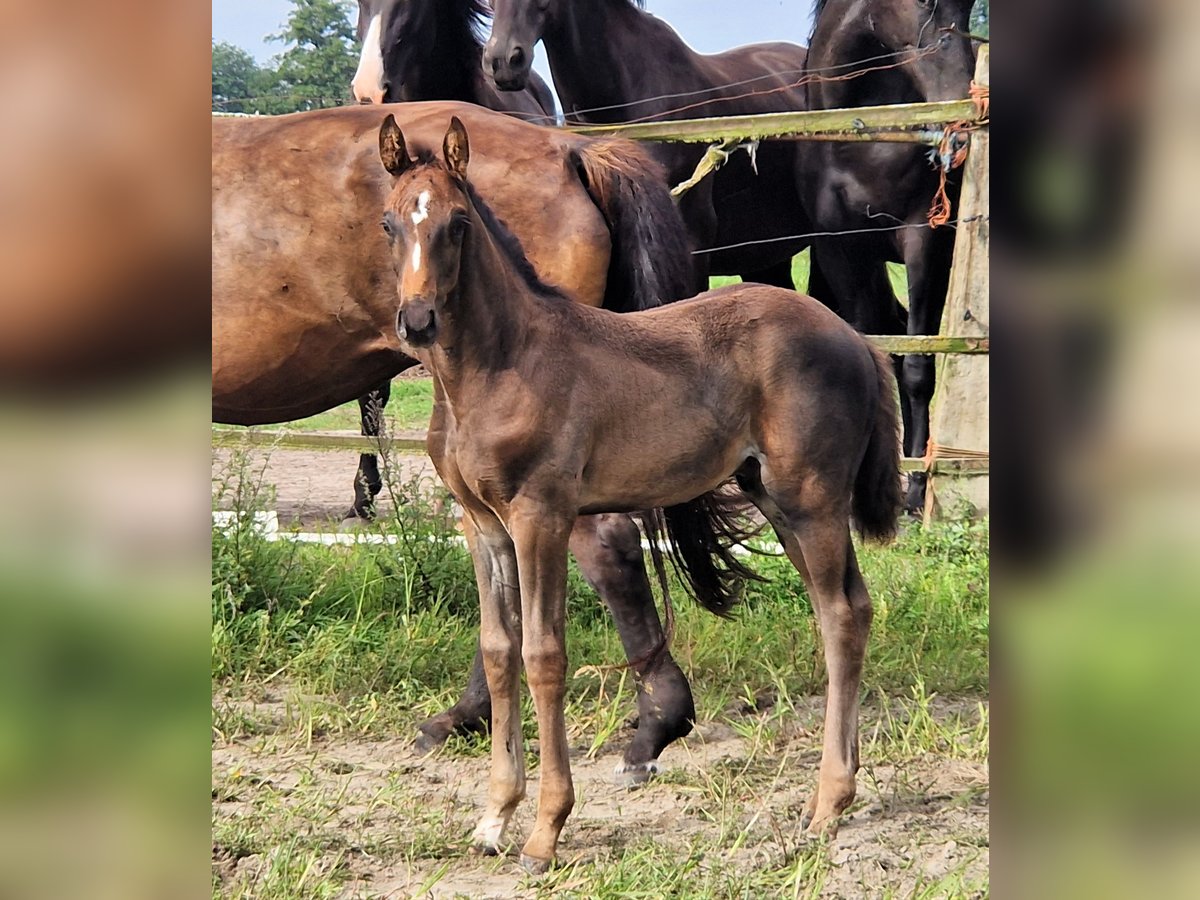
{"x":535,"y":866}
{"x":632,"y":775}
{"x":485,"y":849}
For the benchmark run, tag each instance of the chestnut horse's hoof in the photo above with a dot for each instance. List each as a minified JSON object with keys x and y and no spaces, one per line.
{"x":631,"y":776}
{"x":535,"y":866}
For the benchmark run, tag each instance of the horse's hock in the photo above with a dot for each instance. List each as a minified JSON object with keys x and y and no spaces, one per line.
{"x":959,"y":414}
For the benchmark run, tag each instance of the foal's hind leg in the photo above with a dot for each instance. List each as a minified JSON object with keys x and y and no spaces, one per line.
{"x":817,"y":541}
{"x":608,"y":549}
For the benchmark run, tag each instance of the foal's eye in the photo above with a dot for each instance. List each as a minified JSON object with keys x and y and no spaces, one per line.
{"x":387,"y":227}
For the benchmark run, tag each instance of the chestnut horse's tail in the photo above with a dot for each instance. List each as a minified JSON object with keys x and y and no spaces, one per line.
{"x":651,"y":261}
{"x":877,"y":494}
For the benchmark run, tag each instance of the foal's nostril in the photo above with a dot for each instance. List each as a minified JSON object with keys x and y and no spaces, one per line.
{"x":517,"y":57}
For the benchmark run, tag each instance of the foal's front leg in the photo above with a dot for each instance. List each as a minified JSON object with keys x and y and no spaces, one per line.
{"x":540,"y":536}
{"x":500,"y":646}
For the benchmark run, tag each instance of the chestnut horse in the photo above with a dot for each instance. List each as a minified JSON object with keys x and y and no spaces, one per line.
{"x":545,"y":410}
{"x":304,"y":304}
{"x":414,"y":50}
{"x":889,"y":51}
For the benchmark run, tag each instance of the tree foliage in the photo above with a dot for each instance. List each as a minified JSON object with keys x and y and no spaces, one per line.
{"x":313,"y":71}
{"x":980,"y":18}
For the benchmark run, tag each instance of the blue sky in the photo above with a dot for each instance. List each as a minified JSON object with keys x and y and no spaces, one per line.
{"x":707,"y":25}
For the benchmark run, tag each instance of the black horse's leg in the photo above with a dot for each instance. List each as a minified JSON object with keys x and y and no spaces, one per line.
{"x":853,"y":272}
{"x":609,"y":552}
{"x":927,"y":258}
{"x":470,"y":715}
{"x":608,"y":549}
{"x":818,"y":285}
{"x":367,"y":482}
{"x":779,"y":275}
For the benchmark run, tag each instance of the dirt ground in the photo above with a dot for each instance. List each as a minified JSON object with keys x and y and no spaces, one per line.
{"x":316,"y":488}
{"x":404,"y":819}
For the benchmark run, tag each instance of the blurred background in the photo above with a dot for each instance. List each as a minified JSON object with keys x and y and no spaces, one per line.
{"x":104,"y":502}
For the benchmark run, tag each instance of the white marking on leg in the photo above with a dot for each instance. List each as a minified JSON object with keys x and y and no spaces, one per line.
{"x":416,"y":257}
{"x":422,"y":212}
{"x":368,"y":79}
{"x":489,"y":832}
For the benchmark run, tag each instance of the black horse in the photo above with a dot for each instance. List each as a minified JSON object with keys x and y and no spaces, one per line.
{"x":414,"y":50}
{"x":613,"y":62}
{"x":889,"y":51}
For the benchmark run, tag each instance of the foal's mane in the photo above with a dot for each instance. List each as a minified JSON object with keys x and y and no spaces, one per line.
{"x":509,"y":243}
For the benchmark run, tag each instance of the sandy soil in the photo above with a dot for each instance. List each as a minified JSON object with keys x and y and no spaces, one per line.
{"x":914,"y":820}
{"x":315,"y":488}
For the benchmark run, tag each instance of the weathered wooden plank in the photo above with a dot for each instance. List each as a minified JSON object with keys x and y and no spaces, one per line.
{"x":852,"y":124}
{"x":959,"y":413}
{"x":920,"y":343}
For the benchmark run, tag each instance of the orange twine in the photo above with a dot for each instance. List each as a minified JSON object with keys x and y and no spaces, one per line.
{"x":982,"y":95}
{"x":939,"y":210}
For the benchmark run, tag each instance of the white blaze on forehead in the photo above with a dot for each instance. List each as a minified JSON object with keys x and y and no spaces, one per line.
{"x":419,"y":215}
{"x":422,"y":212}
{"x":368,"y":80}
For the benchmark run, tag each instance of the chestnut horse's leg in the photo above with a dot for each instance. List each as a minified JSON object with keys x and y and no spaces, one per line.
{"x":608,"y":549}
{"x":541,"y":537}
{"x":367,"y":482}
{"x":500,"y":641}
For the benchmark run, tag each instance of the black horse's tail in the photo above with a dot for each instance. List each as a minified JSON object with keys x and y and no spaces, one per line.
{"x":701,"y":535}
{"x":877,"y":494}
{"x":651,"y":260}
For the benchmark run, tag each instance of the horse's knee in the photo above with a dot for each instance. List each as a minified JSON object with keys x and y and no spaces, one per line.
{"x":545,"y":664}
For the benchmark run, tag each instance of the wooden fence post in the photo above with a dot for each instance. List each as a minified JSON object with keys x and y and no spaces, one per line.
{"x":958,"y":419}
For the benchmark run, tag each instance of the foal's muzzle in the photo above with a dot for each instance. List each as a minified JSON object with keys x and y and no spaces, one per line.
{"x":416,"y":323}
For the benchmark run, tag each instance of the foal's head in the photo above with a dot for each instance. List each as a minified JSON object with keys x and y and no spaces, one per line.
{"x":425,"y":219}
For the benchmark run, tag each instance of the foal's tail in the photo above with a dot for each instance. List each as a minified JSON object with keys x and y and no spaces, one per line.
{"x":701,"y":535}
{"x":651,"y":260}
{"x":877,"y":495}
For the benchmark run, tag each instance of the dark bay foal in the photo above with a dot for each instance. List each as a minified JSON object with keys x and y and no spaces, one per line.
{"x":546,"y":410}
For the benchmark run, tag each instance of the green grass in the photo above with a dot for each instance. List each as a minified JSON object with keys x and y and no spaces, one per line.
{"x":359,"y":644}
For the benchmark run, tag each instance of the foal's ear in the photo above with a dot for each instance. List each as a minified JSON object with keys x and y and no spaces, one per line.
{"x":391,"y":147}
{"x":456,"y":149}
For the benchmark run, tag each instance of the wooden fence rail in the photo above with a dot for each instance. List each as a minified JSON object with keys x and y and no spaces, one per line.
{"x":859,"y":123}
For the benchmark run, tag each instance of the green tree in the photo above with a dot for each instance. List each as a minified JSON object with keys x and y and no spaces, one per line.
{"x":234,"y":74}
{"x":980,"y":18}
{"x":318,"y":63}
